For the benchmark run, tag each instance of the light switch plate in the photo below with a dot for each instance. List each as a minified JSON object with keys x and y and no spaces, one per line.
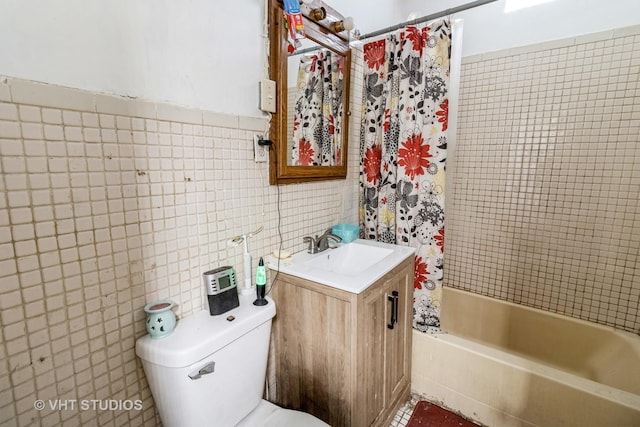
{"x":268,"y":96}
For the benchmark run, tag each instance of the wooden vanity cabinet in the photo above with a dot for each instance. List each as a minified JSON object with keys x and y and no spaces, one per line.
{"x":341,"y":356}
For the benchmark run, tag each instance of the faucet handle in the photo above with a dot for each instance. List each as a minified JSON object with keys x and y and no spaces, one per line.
{"x":312,"y":244}
{"x":323,"y":242}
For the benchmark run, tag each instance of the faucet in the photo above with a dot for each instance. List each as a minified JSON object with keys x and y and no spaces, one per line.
{"x":320,"y":244}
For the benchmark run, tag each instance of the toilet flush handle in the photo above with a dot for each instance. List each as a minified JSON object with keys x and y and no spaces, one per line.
{"x":206,"y":369}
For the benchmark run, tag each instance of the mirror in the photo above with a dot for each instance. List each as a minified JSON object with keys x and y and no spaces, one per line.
{"x":310,"y":127}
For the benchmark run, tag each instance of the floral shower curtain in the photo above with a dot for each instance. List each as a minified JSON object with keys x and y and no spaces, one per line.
{"x":403,"y":144}
{"x":317,"y":138}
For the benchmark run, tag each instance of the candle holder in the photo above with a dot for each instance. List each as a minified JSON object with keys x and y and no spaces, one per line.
{"x":161,"y":320}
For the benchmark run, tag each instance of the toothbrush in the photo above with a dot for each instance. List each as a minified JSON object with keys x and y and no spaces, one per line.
{"x":247,"y":267}
{"x":246,"y":290}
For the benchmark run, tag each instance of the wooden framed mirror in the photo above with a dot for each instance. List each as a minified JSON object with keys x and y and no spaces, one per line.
{"x":308,"y":147}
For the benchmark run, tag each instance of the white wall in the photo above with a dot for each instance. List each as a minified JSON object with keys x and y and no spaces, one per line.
{"x":211,"y":54}
{"x":197,"y":53}
{"x":488,"y":28}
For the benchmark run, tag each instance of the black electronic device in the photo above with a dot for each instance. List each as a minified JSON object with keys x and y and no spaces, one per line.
{"x":222,"y":292}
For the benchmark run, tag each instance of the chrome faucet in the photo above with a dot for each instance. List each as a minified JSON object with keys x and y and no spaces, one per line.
{"x":320,"y":244}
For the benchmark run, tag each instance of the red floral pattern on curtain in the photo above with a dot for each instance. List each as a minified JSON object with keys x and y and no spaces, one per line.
{"x":403,"y":141}
{"x":317,"y":138}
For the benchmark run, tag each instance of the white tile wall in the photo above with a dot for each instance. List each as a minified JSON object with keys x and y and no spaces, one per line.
{"x":108,"y":203}
{"x":546,"y":175}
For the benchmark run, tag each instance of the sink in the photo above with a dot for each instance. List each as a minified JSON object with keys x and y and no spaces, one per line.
{"x":349,"y":259}
{"x":351,"y":267}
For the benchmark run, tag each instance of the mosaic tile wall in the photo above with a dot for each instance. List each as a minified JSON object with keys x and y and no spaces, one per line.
{"x":106,"y":204}
{"x":545,"y":206}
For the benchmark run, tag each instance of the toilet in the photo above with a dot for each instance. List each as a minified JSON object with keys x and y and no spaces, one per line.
{"x":211,"y":371}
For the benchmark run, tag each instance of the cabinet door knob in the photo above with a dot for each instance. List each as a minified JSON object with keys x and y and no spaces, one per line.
{"x":393,"y":299}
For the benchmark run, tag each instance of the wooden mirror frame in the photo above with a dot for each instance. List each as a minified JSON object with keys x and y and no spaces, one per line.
{"x":280,"y":172}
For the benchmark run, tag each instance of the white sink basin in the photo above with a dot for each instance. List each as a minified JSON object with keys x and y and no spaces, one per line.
{"x":349,"y":259}
{"x":352,"y":267}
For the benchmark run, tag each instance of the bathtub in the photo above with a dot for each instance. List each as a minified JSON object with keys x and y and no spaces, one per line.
{"x":503,"y":364}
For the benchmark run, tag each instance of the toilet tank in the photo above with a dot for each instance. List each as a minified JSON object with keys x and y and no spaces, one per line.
{"x":211,"y":370}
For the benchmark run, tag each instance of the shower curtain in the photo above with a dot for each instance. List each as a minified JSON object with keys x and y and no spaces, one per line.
{"x":317,"y":137}
{"x":403,"y":146}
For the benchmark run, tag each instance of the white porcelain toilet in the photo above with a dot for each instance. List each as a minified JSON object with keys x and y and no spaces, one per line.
{"x":211,"y":371}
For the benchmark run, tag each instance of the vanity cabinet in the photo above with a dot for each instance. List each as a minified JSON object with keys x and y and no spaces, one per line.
{"x":343,"y":357}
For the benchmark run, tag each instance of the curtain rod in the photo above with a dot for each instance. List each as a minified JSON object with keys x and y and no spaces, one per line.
{"x":433,"y":16}
{"x":416,"y":21}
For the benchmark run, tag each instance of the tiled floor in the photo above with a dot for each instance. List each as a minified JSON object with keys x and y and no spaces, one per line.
{"x":404,"y":413}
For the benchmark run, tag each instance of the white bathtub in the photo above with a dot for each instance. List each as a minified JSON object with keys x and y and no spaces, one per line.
{"x":504,"y":364}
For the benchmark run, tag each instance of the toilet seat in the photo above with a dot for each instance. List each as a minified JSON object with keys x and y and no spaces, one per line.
{"x":269,"y":415}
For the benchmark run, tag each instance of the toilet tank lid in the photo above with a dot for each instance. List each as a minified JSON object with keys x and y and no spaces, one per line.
{"x":199,"y":335}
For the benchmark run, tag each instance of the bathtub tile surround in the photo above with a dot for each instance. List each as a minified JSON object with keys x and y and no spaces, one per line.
{"x":106,"y":204}
{"x":546,"y":175}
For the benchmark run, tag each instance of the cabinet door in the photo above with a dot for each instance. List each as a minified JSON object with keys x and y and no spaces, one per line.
{"x":387,"y":344}
{"x":398,"y":339}
{"x":312,"y":339}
